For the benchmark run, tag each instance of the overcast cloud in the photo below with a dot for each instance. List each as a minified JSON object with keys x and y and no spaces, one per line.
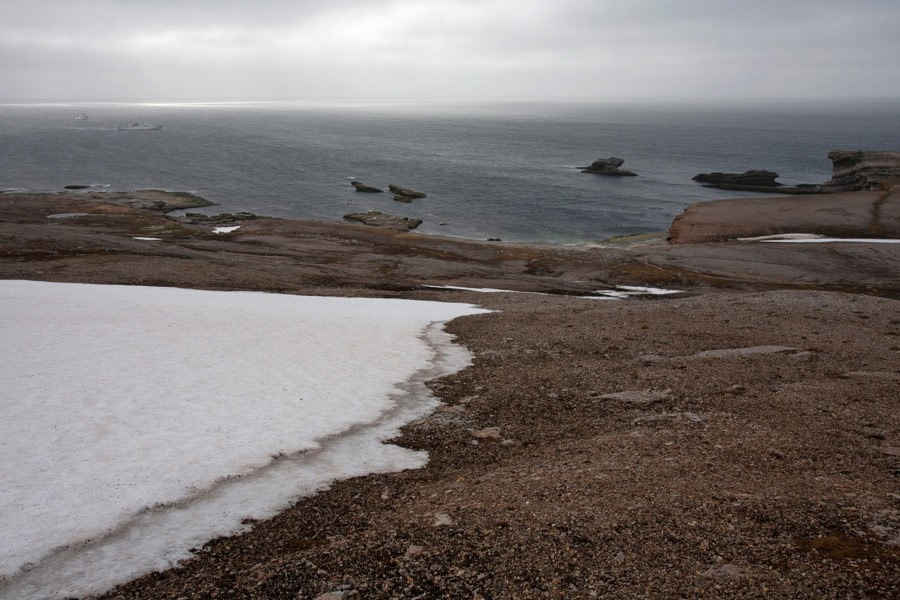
{"x":208,"y":50}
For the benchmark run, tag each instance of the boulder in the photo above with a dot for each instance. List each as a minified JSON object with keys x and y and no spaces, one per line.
{"x":378,"y":219}
{"x":608,"y":166}
{"x":362,"y":187}
{"x":408,"y":193}
{"x":858,"y":170}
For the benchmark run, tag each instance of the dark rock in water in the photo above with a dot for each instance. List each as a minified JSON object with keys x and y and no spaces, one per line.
{"x":378,"y":219}
{"x":494,"y":240}
{"x":402,"y":191}
{"x":753,"y":181}
{"x":76,"y":187}
{"x":858,"y":170}
{"x":745,"y":179}
{"x":362,"y":187}
{"x":608,"y":166}
{"x":406,"y":199}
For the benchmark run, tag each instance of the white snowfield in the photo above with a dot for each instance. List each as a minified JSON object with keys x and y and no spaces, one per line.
{"x":140,"y":422}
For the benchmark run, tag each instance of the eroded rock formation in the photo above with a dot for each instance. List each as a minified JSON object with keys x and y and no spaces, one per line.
{"x":858,"y":170}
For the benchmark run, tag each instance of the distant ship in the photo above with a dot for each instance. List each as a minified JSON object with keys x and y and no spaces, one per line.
{"x":81,"y":116}
{"x":139,"y":127}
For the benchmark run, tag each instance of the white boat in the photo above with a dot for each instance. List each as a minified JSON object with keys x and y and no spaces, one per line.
{"x":81,"y":116}
{"x":139,"y":127}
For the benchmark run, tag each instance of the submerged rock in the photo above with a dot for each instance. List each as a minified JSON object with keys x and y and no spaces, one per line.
{"x":608,"y":166}
{"x":378,"y":219}
{"x":362,"y":187}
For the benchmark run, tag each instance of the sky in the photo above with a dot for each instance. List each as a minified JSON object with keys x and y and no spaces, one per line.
{"x":283,"y":50}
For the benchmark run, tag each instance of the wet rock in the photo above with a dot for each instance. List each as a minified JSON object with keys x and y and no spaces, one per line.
{"x":368,"y":189}
{"x":407,"y":193}
{"x":608,"y":166}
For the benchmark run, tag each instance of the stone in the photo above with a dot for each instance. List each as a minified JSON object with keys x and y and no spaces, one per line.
{"x":442,"y":520}
{"x":362,"y":187}
{"x":608,"y":166}
{"x":858,"y":170}
{"x":488,"y":433}
{"x":378,"y":219}
{"x":406,"y":192}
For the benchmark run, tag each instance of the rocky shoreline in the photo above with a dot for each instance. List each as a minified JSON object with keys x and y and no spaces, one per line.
{"x":737,"y":439}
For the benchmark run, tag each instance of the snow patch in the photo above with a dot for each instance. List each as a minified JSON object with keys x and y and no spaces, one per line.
{"x":226,"y":229}
{"x":812,"y":238}
{"x":141,"y":422}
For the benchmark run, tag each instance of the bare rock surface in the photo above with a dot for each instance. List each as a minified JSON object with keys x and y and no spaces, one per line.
{"x":379,"y":219}
{"x":851,"y":215}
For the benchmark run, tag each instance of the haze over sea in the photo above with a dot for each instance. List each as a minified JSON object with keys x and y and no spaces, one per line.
{"x":503,"y":170}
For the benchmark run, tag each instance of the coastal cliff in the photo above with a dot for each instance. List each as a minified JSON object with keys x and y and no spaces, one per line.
{"x":856,"y":170}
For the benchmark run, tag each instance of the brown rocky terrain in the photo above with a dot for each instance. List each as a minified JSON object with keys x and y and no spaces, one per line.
{"x":739,"y":439}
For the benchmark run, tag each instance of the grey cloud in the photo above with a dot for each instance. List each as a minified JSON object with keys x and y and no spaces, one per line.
{"x":577,"y":48}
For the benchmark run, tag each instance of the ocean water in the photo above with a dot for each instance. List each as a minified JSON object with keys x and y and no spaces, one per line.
{"x":503,"y":170}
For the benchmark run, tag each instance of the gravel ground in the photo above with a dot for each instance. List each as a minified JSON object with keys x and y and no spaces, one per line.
{"x":594,"y":449}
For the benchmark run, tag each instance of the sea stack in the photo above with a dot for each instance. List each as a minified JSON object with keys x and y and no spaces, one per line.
{"x":608,"y":166}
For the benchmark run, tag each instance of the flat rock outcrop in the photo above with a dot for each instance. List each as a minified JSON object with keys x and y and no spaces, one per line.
{"x":368,"y":189}
{"x":747,"y":179}
{"x":858,"y":170}
{"x":847,"y":215}
{"x":379,"y":219}
{"x":608,"y":166}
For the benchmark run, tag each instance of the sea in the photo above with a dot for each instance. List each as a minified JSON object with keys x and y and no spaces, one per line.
{"x":506,"y":170}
